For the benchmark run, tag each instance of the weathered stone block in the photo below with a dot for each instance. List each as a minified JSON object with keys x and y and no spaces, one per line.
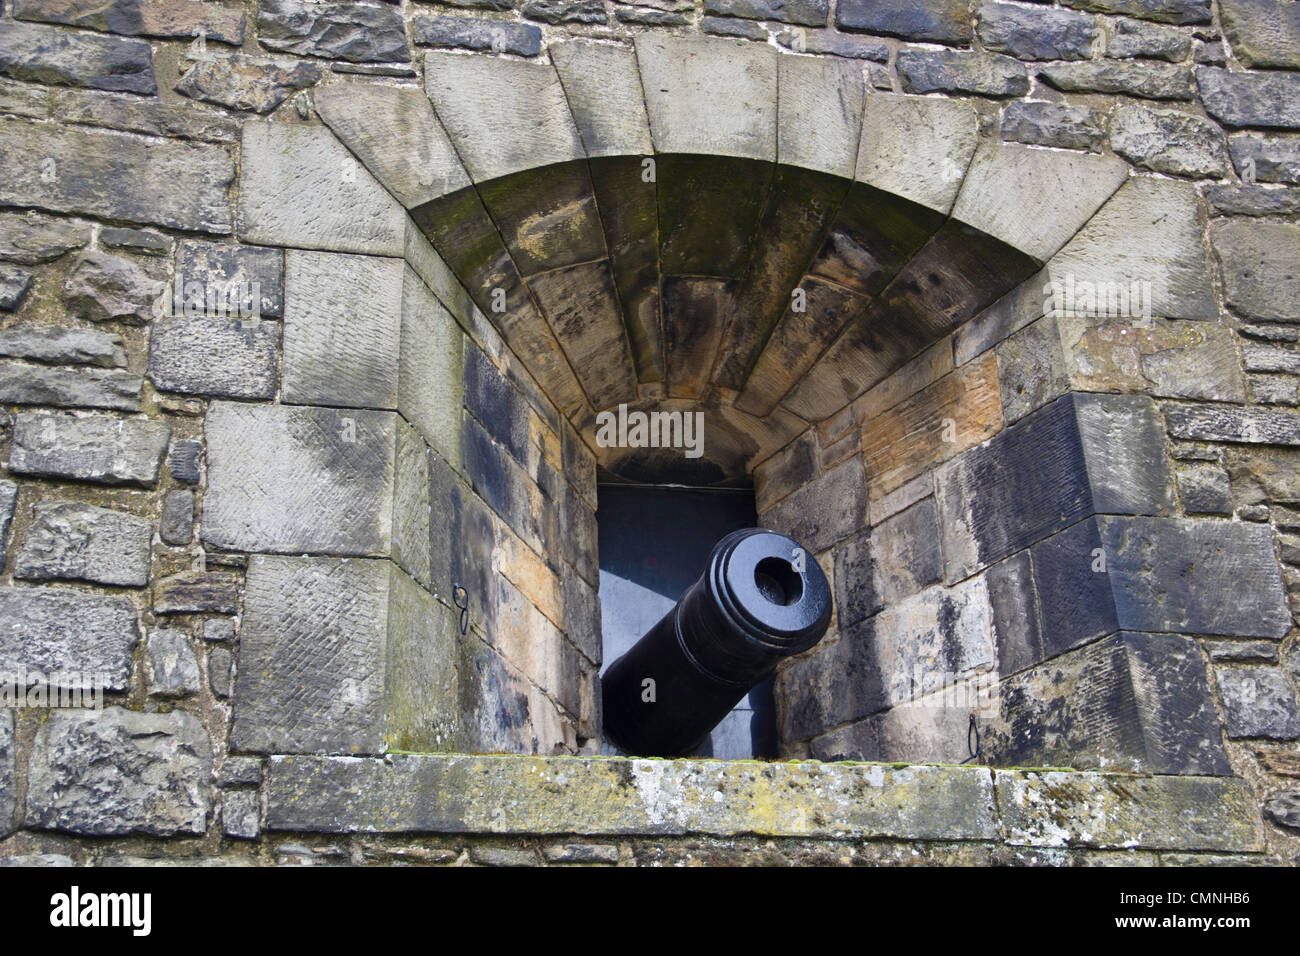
{"x":811,"y":13}
{"x":102,"y":287}
{"x":825,"y":510}
{"x":1052,"y":124}
{"x":177,"y":522}
{"x":1258,"y":702}
{"x":559,"y":11}
{"x":115,"y":771}
{"x":183,"y":459}
{"x":1153,"y":81}
{"x":222,"y":358}
{"x":61,"y":346}
{"x":498,"y":36}
{"x":23,"y":384}
{"x":14,"y":283}
{"x":98,"y":173}
{"x":423,"y":793}
{"x":917,"y":147}
{"x":1132,"y":702}
{"x":953,"y":71}
{"x":1261,"y":268}
{"x":394,"y":131}
{"x":1081,"y":455}
{"x":503,"y":116}
{"x":1169,"y":141}
{"x":905,"y":552}
{"x":1204,"y":489}
{"x":603,"y":87}
{"x":1267,"y":100}
{"x":356,"y":32}
{"x":94,"y":448}
{"x":1133,"y":38}
{"x":429,"y":374}
{"x":173,"y":668}
{"x":46,"y":55}
{"x":942,"y":21}
{"x":855,"y":581}
{"x":1094,"y":810}
{"x":241,"y":813}
{"x":8,"y":501}
{"x":72,"y":540}
{"x":246,"y":276}
{"x":710,"y":96}
{"x":246,"y":82}
{"x":221,"y":664}
{"x":300,"y":187}
{"x":87,"y":637}
{"x":196,"y":592}
{"x":1233,"y":423}
{"x":154,"y":18}
{"x":342,"y":329}
{"x":30,"y":239}
{"x":291,"y":480}
{"x":1263,"y":32}
{"x":1177,"y":575}
{"x":7,"y":788}
{"x":342,"y":656}
{"x":1031,"y":33}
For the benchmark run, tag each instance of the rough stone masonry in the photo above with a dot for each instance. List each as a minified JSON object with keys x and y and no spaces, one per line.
{"x":327,"y":549}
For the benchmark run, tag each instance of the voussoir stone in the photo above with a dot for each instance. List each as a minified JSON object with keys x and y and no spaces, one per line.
{"x":300,"y":187}
{"x":113,"y":772}
{"x":73,"y":540}
{"x":99,"y":173}
{"x":357,"y":32}
{"x":40,"y":54}
{"x":96,"y":448}
{"x":1167,"y":141}
{"x":86,"y":637}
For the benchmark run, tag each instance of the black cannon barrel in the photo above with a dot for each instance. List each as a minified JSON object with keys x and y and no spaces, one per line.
{"x":760,"y":599}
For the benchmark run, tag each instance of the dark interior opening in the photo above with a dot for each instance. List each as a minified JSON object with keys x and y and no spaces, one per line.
{"x":778,"y":581}
{"x":654,"y":542}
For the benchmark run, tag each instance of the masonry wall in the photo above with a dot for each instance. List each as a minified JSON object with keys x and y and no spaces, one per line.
{"x":143,"y":452}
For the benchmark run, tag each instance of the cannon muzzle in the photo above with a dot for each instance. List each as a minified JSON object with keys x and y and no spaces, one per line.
{"x":760,"y":599}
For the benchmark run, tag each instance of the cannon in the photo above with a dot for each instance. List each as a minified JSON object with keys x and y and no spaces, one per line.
{"x":760,"y":599}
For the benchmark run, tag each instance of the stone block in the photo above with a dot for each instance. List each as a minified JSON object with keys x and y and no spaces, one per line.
{"x":1131,"y":702}
{"x":1233,"y":423}
{"x":95,"y":448}
{"x":102,"y":287}
{"x":603,"y":87}
{"x":1052,"y":124}
{"x":85,"y":636}
{"x":241,"y":812}
{"x":176,"y":526}
{"x":299,"y":186}
{"x":823,"y":511}
{"x":1133,"y":38}
{"x":957,"y":71}
{"x":197,"y":592}
{"x":292,"y":480}
{"x":1270,"y":100}
{"x":81,"y":542}
{"x":503,"y":115}
{"x":1094,"y":810}
{"x":112,"y":389}
{"x":1148,"y":80}
{"x":342,"y":656}
{"x":1261,"y":268}
{"x":1007,"y":186}
{"x":14,"y":283}
{"x":855,"y":580}
{"x":40,"y":54}
{"x":31,"y":239}
{"x":61,"y":346}
{"x":97,"y":173}
{"x":221,"y":358}
{"x":917,"y":147}
{"x":231,"y":272}
{"x":819,"y":114}
{"x":355,"y":32}
{"x":1031,"y":33}
{"x":1189,"y":576}
{"x":152,"y":18}
{"x":939,"y":21}
{"x":497,"y":36}
{"x":8,"y":791}
{"x":8,"y":501}
{"x":1081,"y":455}
{"x":429,"y":373}
{"x":173,"y":668}
{"x":394,"y":132}
{"x":1263,"y":32}
{"x":114,"y":772}
{"x":709,"y":96}
{"x":249,"y":83}
{"x":221,"y":663}
{"x":905,"y":552}
{"x":1258,"y":702}
{"x":1169,"y":141}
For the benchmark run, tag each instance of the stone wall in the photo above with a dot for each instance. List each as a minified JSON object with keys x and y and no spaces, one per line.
{"x":248,"y":529}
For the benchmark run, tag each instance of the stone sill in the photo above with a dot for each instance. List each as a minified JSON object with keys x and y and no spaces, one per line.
{"x":524,"y":795}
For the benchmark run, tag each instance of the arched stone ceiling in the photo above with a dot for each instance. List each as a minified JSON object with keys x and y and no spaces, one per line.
{"x":643,"y":224}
